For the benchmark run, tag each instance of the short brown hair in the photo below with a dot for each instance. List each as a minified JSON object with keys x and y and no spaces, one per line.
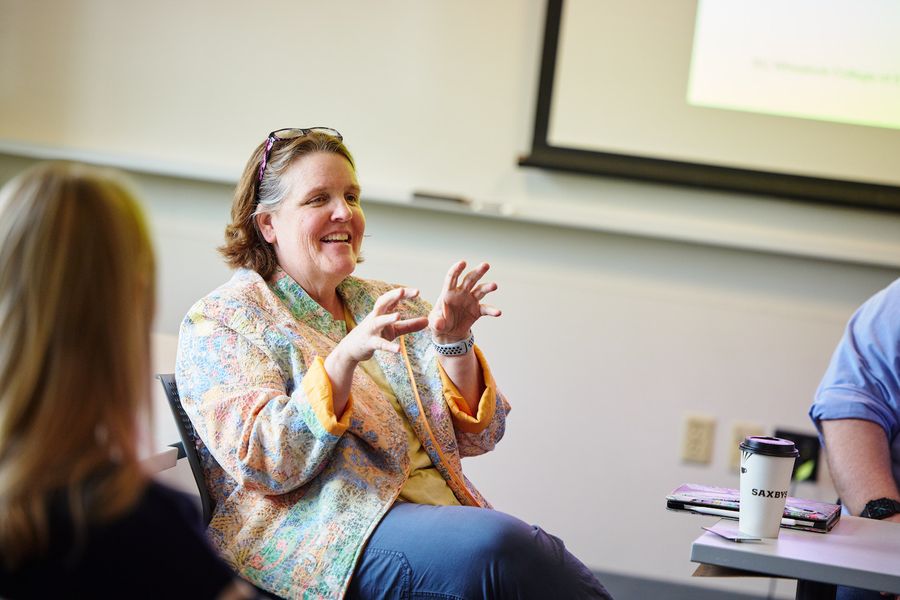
{"x":244,"y":244}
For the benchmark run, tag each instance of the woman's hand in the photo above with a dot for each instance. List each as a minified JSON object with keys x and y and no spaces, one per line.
{"x":381,"y":327}
{"x":459,"y":305}
{"x":376,"y":332}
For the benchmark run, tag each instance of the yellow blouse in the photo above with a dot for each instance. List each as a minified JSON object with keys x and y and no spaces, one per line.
{"x":424,"y":484}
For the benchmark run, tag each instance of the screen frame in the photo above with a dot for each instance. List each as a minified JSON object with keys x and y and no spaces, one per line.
{"x":795,"y":187}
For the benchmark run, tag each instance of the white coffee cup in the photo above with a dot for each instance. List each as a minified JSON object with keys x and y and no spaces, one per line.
{"x":766,"y":465}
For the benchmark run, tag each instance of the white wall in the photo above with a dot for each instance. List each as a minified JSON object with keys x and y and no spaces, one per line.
{"x":607,"y":340}
{"x":436,"y":96}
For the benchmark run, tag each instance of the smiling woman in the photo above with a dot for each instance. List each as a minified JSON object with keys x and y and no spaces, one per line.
{"x":335,"y":411}
{"x":316,"y":235}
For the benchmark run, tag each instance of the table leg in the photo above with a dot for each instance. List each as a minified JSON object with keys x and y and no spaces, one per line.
{"x":813,"y":590}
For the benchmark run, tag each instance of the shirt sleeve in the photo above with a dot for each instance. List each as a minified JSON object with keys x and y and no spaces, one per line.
{"x":861,"y":381}
{"x":463,"y":418}
{"x":269,"y":423}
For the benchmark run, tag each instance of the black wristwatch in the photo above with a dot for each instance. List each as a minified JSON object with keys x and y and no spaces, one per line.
{"x":881,"y":508}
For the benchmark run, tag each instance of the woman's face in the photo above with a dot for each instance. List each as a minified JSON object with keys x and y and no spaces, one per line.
{"x":318,"y":228}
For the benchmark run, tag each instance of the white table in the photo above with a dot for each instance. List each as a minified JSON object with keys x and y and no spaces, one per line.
{"x":160,"y":459}
{"x":858,"y":552}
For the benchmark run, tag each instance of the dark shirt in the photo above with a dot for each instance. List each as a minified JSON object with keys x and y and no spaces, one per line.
{"x":156,"y":550}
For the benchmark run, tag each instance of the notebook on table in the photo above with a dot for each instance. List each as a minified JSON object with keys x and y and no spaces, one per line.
{"x":799,"y":513}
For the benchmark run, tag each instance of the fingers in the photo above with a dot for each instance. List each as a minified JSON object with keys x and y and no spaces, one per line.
{"x":388,"y":300}
{"x":379,"y":322}
{"x":389,"y":346}
{"x":452,"y":278}
{"x":473,"y":276}
{"x":410,"y":325}
{"x":369,"y":336}
{"x":455,"y":310}
{"x":380,"y":330}
{"x":483,"y":289}
{"x":490,"y":311}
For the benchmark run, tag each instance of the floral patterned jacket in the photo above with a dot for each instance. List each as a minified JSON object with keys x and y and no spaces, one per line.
{"x":298,"y":492}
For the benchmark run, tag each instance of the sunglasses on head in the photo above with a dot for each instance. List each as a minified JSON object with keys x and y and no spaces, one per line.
{"x":289,"y":133}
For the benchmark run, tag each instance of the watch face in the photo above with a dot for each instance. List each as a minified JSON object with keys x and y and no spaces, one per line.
{"x":881,"y":508}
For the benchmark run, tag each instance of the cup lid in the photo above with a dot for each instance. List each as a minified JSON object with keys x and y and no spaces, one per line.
{"x":770,"y":446}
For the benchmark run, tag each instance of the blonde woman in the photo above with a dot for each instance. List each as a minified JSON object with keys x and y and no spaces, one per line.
{"x":78,"y":516}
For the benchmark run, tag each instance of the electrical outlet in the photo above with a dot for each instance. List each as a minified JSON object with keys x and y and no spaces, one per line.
{"x":699,"y":433}
{"x":739,"y":431}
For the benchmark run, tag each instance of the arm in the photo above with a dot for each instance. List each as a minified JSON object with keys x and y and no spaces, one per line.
{"x":477,"y":407}
{"x":270,"y":417}
{"x":451,"y":320}
{"x":377,"y":331}
{"x":855,"y":408}
{"x":467,"y":376}
{"x":483,"y":437}
{"x":236,"y":394}
{"x":859,"y":460}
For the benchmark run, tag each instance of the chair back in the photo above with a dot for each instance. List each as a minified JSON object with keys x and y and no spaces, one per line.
{"x":189,"y":440}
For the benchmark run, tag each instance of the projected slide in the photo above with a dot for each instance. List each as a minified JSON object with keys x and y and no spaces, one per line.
{"x":828,"y":60}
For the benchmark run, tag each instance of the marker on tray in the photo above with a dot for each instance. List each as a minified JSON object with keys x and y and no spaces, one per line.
{"x":448,"y":198}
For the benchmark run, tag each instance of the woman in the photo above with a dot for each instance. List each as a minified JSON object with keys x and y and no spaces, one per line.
{"x":78,"y":516}
{"x":336,"y":410}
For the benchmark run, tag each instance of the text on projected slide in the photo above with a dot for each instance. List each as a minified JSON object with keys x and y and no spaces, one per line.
{"x":829,"y":60}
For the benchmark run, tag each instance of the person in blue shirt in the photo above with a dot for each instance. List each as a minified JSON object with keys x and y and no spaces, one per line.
{"x":857,"y":413}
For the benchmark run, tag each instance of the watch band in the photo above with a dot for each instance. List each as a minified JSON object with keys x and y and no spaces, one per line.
{"x":455,"y":348}
{"x":882,"y":508}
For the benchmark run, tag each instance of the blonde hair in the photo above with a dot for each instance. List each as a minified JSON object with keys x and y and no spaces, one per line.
{"x":77,"y":281}
{"x":244,"y":244}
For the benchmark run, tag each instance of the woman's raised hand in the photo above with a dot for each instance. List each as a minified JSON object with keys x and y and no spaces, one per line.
{"x":459,"y":305}
{"x":381,"y":327}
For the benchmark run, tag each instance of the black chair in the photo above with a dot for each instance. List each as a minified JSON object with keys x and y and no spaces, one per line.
{"x":188,"y":443}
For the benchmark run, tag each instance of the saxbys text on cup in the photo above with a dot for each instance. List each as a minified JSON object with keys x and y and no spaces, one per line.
{"x":768,"y":493}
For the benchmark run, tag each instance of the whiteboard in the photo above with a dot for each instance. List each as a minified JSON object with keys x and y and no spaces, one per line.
{"x":420,"y":90}
{"x":436,"y":96}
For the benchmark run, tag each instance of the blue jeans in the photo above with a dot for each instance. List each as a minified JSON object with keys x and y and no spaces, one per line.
{"x":423,"y":552}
